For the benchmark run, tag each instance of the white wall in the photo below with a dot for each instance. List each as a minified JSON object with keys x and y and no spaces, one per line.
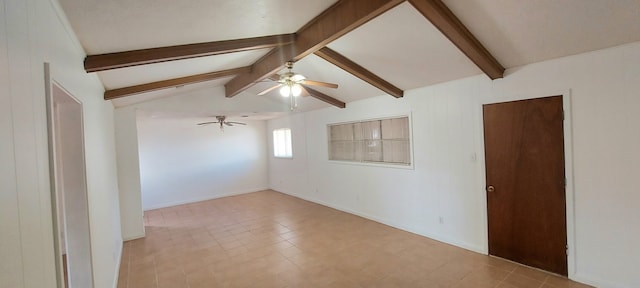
{"x":208,"y":101}
{"x":33,"y":32}
{"x":131,"y":214}
{"x":181,"y":162}
{"x":448,"y":183}
{"x":288,"y":174}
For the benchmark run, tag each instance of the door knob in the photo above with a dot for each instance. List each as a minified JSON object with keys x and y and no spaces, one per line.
{"x":490,"y":188}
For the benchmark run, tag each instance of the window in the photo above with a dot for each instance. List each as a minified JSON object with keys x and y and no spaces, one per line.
{"x":282,"y":143}
{"x":384,"y":141}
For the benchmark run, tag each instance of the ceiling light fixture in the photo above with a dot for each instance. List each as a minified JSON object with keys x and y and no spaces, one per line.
{"x":293,"y":85}
{"x":296,"y":90}
{"x":292,"y":90}
{"x":285,"y":90}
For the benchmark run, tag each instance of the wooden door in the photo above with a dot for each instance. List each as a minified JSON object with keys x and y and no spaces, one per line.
{"x":524,"y":150}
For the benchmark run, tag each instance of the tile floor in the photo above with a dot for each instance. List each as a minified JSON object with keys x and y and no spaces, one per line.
{"x":269,"y":239}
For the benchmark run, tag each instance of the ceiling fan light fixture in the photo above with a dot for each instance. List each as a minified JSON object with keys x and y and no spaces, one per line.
{"x":296,"y":89}
{"x":291,"y":89}
{"x":285,"y":90}
{"x":293,"y":85}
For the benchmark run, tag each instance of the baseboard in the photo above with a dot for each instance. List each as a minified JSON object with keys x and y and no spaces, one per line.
{"x":134,"y":237}
{"x":393,"y":224}
{"x":118,"y":263}
{"x":595,"y":282}
{"x":200,"y":199}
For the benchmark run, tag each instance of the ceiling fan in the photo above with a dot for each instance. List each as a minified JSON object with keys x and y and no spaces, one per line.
{"x":292,"y":84}
{"x":222,"y":121}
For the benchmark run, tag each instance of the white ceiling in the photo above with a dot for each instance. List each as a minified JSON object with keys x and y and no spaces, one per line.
{"x":113,"y":26}
{"x":203,"y":117}
{"x":163,"y":93}
{"x":400,"y":46}
{"x":519,"y":32}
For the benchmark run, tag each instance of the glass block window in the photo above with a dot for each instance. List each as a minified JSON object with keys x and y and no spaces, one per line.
{"x":374,"y":141}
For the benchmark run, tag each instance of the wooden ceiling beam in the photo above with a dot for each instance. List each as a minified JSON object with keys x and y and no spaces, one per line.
{"x":441,"y":17}
{"x":346,"y":64}
{"x":95,"y":63}
{"x":337,"y":20}
{"x":137,"y":89}
{"x":324,"y":97}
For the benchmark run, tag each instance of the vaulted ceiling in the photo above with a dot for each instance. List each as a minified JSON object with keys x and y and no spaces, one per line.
{"x":144,"y":49}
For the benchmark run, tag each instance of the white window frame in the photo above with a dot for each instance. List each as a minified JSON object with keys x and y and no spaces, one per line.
{"x":376,"y":164}
{"x":282,"y":135}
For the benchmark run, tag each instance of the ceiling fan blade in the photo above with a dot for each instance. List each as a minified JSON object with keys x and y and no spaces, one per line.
{"x":319,"y":83}
{"x":269,"y":89}
{"x":238,"y":123}
{"x":207,"y":123}
{"x":274,"y":77}
{"x":228,"y":124}
{"x":305,"y":92}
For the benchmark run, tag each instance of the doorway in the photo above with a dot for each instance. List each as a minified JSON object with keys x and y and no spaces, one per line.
{"x":68,"y":190}
{"x":525,"y":174}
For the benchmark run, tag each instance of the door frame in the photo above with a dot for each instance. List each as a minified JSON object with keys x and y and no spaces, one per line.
{"x":568,"y":168}
{"x":50,"y":83}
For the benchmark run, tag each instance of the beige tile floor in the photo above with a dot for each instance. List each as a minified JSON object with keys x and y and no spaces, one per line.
{"x":269,"y":239}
